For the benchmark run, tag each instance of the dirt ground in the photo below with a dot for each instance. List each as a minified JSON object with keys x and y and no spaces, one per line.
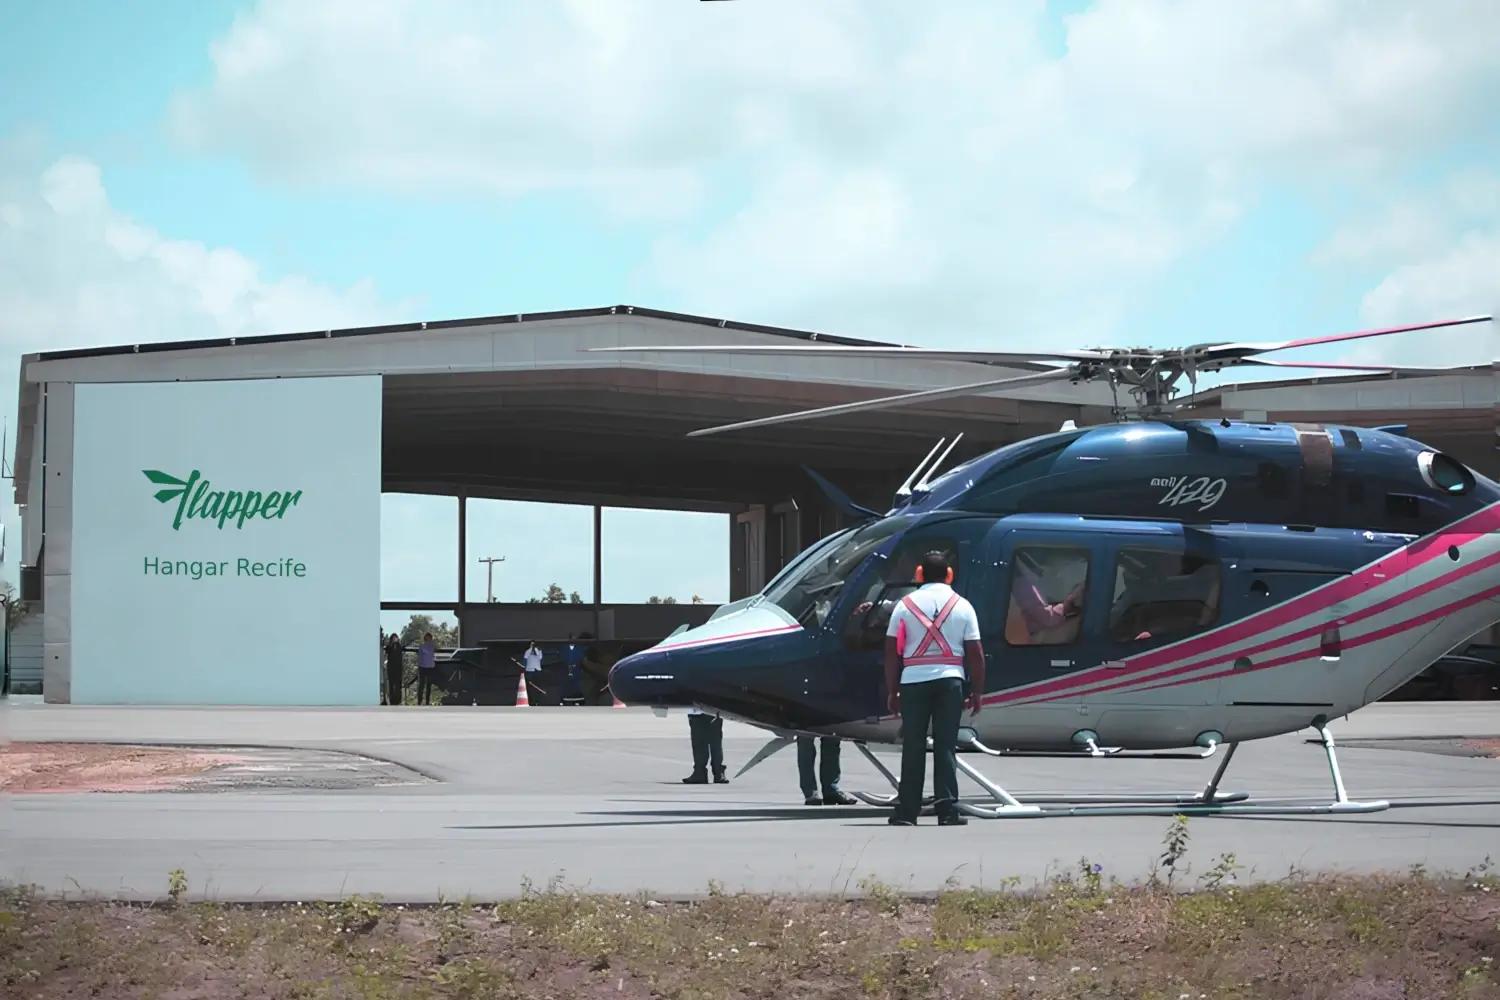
{"x":98,"y":767}
{"x":1078,"y":937}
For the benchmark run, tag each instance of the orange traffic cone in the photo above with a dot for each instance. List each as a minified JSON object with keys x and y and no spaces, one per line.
{"x":522,"y":701}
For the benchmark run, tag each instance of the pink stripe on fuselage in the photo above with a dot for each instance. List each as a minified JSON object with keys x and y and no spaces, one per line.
{"x":1447,"y":579}
{"x":1416,"y":553}
{"x":1366,"y":639}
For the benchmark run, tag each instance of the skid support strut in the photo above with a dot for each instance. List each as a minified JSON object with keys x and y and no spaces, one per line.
{"x":1210,"y":801}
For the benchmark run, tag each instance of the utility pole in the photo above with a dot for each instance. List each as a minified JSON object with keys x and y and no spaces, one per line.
{"x":489,"y":588}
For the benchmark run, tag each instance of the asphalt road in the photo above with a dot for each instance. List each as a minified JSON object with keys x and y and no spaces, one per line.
{"x":591,"y":797}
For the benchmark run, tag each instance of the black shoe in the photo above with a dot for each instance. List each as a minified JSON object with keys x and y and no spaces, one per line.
{"x":953,"y":819}
{"x":901,"y":821}
{"x":721,"y":778}
{"x":838,"y":798}
{"x":812,"y":800}
{"x":695,"y":779}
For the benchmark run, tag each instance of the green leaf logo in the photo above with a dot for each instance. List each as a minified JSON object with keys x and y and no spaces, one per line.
{"x":162,"y":479}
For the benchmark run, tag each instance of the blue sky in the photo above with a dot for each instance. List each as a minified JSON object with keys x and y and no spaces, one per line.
{"x":1003,"y":175}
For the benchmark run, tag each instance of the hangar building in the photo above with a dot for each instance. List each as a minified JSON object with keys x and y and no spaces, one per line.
{"x":183,"y":497}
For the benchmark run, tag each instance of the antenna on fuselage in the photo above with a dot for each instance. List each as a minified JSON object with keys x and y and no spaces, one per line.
{"x":905,"y":490}
{"x":937,"y":465}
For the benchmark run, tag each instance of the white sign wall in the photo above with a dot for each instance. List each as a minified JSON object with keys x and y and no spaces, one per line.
{"x":226,"y":542}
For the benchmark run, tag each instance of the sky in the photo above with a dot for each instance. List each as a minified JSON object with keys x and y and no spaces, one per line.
{"x":970,"y":175}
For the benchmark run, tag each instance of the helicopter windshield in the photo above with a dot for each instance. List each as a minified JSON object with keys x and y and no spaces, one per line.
{"x":809,"y":591}
{"x":801,"y":559}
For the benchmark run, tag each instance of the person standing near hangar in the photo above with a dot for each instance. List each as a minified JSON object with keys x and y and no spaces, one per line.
{"x":394,"y":654}
{"x":932,"y":647}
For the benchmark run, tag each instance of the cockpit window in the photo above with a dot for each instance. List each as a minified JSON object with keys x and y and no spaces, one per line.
{"x":866,"y":626}
{"x":809,"y":591}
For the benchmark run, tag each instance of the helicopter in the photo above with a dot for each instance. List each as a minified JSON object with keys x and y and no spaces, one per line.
{"x":1157,"y":586}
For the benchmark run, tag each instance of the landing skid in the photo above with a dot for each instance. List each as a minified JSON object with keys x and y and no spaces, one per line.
{"x":1210,"y":801}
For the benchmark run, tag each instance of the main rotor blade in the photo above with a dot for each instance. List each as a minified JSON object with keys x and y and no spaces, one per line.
{"x":832,"y":351}
{"x":888,"y":402}
{"x":1217,"y":351}
{"x":1374,"y":368}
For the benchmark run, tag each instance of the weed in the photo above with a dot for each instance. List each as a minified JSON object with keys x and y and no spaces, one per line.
{"x":1482,"y":877}
{"x":475,"y":978}
{"x":355,"y":915}
{"x":177,"y":885}
{"x":882,"y":895}
{"x":1223,"y":870}
{"x":1091,"y":876}
{"x":1174,"y":849}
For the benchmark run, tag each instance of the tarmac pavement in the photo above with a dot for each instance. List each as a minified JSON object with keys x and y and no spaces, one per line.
{"x":497,"y":798}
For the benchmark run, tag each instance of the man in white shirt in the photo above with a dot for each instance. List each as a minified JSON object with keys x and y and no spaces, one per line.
{"x":931,"y":645}
{"x":533,"y":658}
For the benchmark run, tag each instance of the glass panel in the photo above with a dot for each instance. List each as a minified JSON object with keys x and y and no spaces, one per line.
{"x":1046,"y":596}
{"x":418,"y":547}
{"x":548,"y":550}
{"x":671,"y":556}
{"x":1160,"y":594}
{"x":866,"y":626}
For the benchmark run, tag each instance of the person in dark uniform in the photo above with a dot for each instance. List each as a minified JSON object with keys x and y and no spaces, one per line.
{"x":394,"y":653}
{"x":828,"y":774}
{"x":707,"y":732}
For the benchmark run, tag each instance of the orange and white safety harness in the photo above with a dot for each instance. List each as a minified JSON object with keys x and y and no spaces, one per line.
{"x":945,"y":656}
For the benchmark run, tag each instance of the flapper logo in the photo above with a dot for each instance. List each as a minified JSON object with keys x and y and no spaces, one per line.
{"x":197,"y":499}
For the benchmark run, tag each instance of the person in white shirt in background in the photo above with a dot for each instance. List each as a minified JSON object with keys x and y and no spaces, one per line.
{"x":932,"y":644}
{"x":533,"y":658}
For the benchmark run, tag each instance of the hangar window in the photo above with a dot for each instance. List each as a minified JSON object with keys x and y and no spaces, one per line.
{"x":1160,"y":594}
{"x":1047,"y":588}
{"x":1443,"y":473}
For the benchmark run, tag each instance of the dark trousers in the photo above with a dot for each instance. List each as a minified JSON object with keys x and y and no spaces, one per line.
{"x":934,"y":705}
{"x":707,"y":732}
{"x":827,"y":774}
{"x":393,"y":683}
{"x":424,"y":687}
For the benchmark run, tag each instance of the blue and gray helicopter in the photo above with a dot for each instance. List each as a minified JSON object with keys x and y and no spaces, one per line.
{"x":1157,"y":586}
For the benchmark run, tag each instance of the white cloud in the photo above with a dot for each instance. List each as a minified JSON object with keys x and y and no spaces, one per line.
{"x":890,"y":169}
{"x":78,"y":272}
{"x":1437,"y":256}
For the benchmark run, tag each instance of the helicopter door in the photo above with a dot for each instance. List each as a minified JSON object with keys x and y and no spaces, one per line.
{"x":1037,"y":625}
{"x":1164,"y":589}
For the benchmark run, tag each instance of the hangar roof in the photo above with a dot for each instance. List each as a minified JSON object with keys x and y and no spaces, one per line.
{"x":514,"y":406}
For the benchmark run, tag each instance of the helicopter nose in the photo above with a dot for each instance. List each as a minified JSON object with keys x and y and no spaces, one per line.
{"x":650,"y":678}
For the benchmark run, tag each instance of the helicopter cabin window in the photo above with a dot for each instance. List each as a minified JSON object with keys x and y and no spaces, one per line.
{"x":871,"y":615}
{"x":1161,"y":594}
{"x":1047,"y":588}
